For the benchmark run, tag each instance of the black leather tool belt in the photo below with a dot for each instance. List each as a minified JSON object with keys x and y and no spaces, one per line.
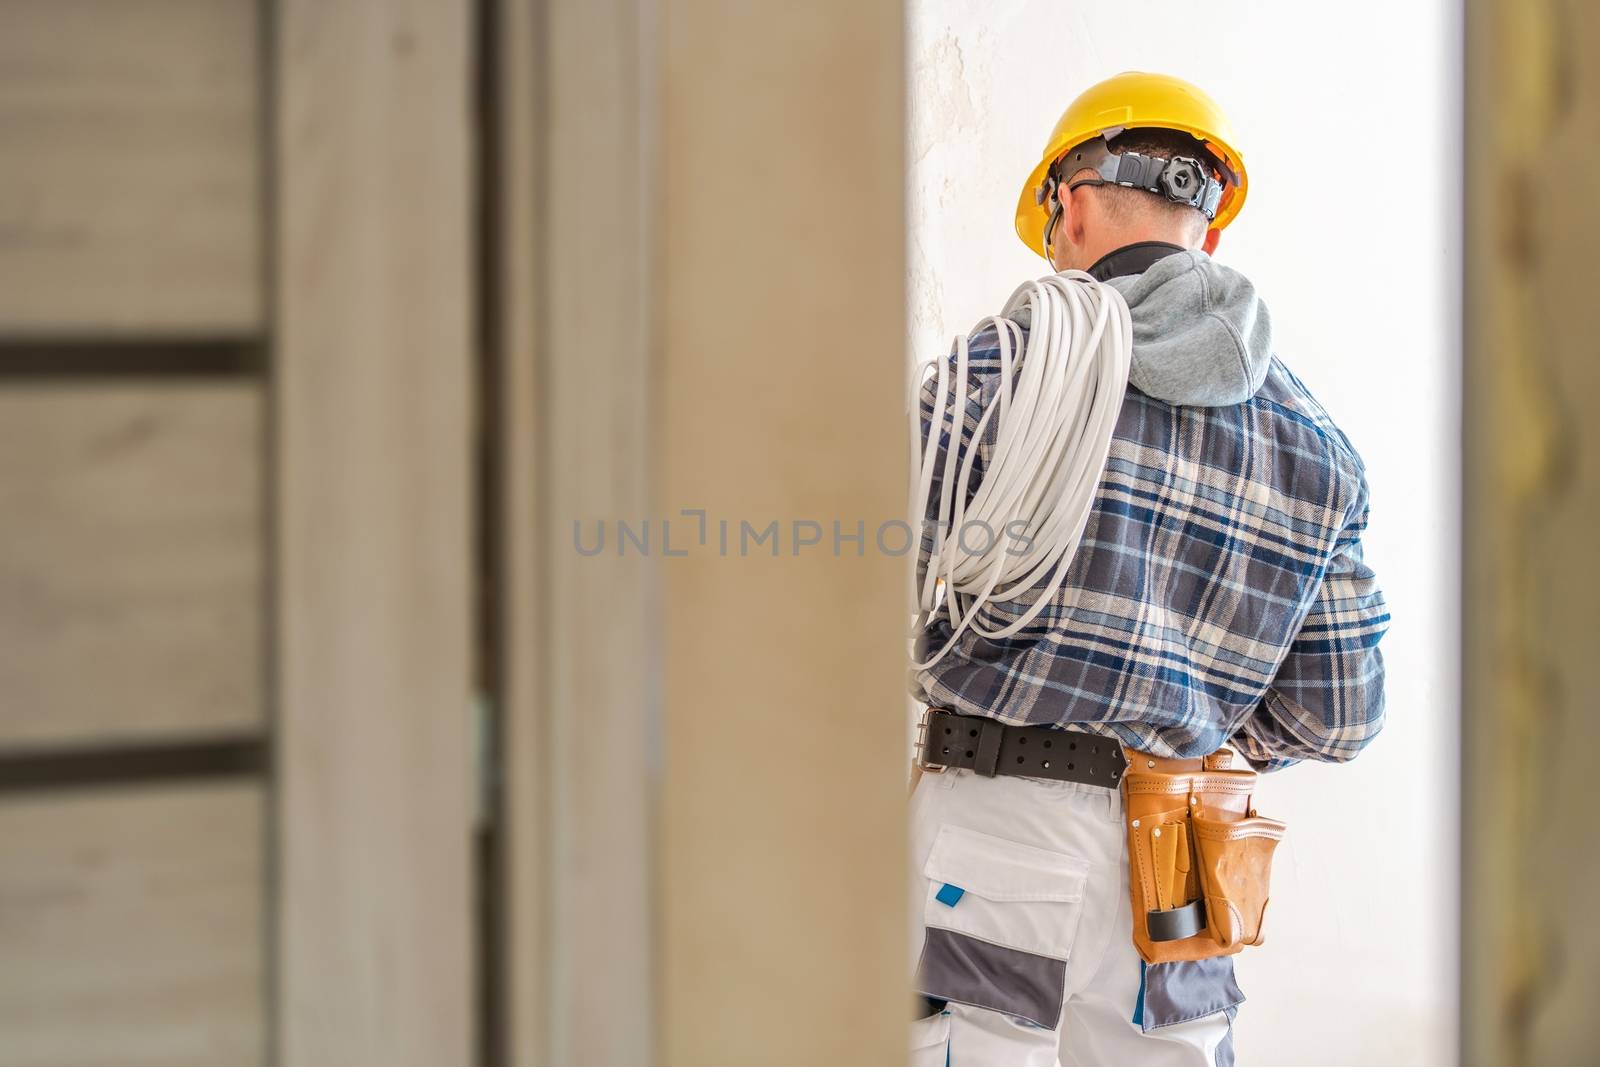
{"x":947,"y":740}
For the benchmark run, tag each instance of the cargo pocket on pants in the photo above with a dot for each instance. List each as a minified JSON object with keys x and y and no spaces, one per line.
{"x":1000,"y":919}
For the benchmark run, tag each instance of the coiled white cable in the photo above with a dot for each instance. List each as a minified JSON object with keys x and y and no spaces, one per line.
{"x":1017,"y":537}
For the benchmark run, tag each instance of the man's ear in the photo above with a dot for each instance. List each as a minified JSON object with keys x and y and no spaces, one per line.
{"x":1212,"y":239}
{"x":1070,"y":228}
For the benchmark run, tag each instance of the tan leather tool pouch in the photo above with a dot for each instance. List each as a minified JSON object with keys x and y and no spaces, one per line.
{"x":1200,"y":861}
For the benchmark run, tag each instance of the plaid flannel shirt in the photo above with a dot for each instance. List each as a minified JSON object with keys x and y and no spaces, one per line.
{"x":1219,"y":594}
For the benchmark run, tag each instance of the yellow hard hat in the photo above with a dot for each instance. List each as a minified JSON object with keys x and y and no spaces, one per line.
{"x":1131,"y":101}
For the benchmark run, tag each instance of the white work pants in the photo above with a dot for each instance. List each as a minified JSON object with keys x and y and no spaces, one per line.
{"x":1023,"y":926}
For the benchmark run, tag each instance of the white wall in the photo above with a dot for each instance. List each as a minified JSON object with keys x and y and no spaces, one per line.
{"x":1347,"y":118}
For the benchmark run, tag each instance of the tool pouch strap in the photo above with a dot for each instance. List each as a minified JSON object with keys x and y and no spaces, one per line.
{"x":1199,"y":858}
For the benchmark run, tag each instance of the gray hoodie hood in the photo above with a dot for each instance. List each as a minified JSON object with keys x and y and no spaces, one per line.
{"x":1201,"y":335}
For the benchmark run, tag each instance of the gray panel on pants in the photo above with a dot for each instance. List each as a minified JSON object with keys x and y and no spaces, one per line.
{"x":968,"y":971}
{"x":1191,"y":989}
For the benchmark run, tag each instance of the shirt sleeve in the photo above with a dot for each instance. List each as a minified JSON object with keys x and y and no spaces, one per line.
{"x":983,"y":362}
{"x":1326,"y":703}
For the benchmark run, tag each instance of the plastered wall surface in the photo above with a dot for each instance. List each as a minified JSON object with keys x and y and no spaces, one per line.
{"x":1348,"y":124}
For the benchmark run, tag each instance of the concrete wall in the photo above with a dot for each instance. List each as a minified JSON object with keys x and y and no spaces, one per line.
{"x":1362,"y":281}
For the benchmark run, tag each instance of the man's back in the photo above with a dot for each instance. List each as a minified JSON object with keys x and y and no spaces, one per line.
{"x":1215,"y":595}
{"x":1219,"y":593}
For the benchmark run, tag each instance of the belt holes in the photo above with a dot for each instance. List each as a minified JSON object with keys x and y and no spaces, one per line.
{"x":1019,"y":759}
{"x":972,"y":733}
{"x":947,"y":750}
{"x":1073,"y":745}
{"x":1047,"y":743}
{"x":1069,"y":766}
{"x":948,"y":731}
{"x":1022,"y":740}
{"x":969,"y":753}
{"x":1046,"y":765}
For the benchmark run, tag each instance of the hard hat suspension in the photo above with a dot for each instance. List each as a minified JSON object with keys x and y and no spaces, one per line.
{"x":1183,"y":180}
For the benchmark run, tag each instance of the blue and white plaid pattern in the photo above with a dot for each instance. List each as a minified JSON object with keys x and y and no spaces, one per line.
{"x":1219,"y":595}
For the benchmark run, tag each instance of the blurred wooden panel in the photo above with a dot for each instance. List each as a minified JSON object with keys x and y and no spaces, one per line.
{"x":541,"y":1009}
{"x":129,"y":194}
{"x":131,"y":928}
{"x":578,"y":690}
{"x":1530,"y":945}
{"x":374,"y":432}
{"x":130,"y":562}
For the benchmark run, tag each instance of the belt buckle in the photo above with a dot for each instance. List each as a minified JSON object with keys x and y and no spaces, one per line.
{"x":922,"y":744}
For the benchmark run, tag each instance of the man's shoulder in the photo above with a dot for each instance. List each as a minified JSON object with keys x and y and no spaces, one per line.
{"x":1300,"y":419}
{"x":993,"y":342}
{"x":986,"y":339}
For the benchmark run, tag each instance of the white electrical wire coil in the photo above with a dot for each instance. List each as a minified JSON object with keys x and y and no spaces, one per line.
{"x":1052,"y":435}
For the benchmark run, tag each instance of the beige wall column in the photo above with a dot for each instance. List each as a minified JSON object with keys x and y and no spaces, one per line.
{"x":372,"y":432}
{"x":1530,"y":945}
{"x":779,"y":386}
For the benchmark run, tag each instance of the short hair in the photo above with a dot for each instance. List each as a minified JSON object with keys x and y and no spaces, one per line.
{"x":1126,"y":204}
